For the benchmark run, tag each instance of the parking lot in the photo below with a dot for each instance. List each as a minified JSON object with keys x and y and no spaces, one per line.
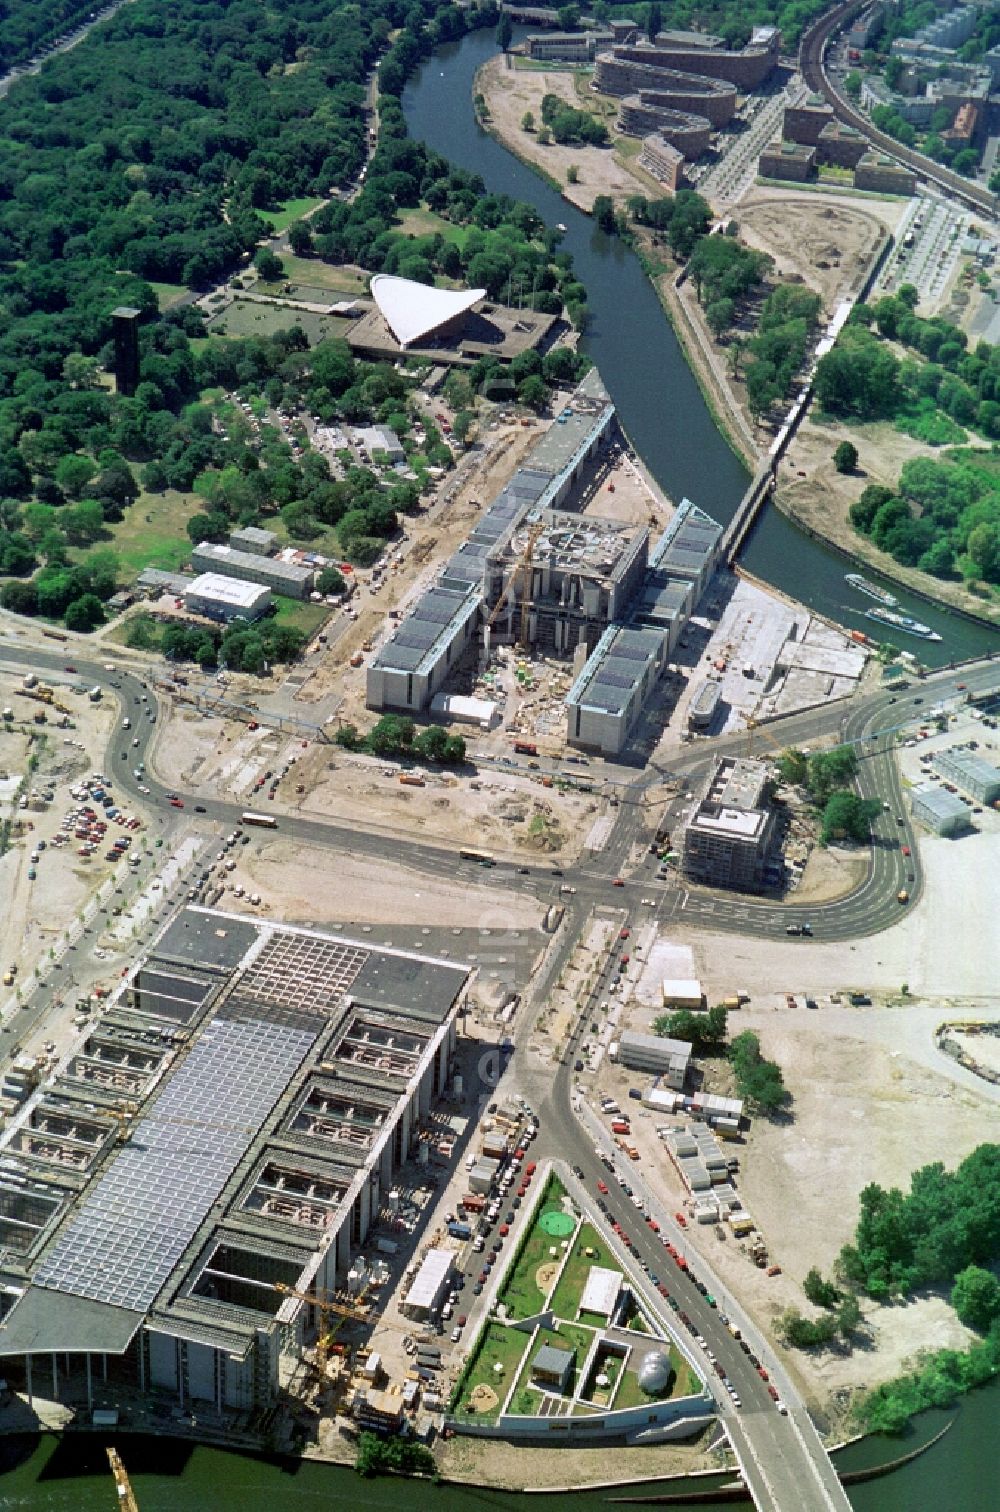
{"x":934,"y":254}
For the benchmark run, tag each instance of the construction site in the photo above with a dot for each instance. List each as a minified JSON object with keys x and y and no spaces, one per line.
{"x":182,"y":1206}
{"x":578,"y":590}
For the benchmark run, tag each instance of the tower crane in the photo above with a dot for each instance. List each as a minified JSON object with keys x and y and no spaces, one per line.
{"x":326,"y":1307}
{"x":126,"y":1496}
{"x":521,"y":571}
{"x":754,"y":725}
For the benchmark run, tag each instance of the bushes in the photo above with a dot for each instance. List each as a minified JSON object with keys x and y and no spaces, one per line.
{"x":958,"y":527}
{"x":395,"y":736}
{"x":945,"y":1223}
{"x":758,"y":1081}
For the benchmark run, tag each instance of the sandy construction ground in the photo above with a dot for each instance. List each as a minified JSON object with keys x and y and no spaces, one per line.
{"x":811,"y":490}
{"x":35,"y":913}
{"x":494,"y":1463}
{"x":301,"y":882}
{"x":511,"y":92}
{"x":820,"y":240}
{"x":503,"y":814}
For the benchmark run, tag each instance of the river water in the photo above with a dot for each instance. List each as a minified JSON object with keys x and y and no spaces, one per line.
{"x":44,"y":1475}
{"x":643,"y":366}
{"x":671,"y":427}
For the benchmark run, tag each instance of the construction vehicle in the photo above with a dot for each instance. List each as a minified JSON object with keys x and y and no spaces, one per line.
{"x":521,"y":573}
{"x":341,"y":1309}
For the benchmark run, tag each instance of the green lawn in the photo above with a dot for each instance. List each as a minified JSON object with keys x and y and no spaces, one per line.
{"x":332,"y":278}
{"x":246,"y":318}
{"x":305,"y":616}
{"x":152,"y":533}
{"x":521,"y":1294}
{"x":496,"y":1345}
{"x":565,"y":1300}
{"x":168,"y":293}
{"x":527,"y":1398}
{"x":682,"y":1383}
{"x":423,"y":222}
{"x":291,"y":210}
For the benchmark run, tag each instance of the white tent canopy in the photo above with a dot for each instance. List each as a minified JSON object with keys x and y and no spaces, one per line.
{"x":413,"y":311}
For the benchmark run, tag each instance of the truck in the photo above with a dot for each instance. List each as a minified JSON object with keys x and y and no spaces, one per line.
{"x":460,"y":1231}
{"x":525,"y":748}
{"x":95,"y":694}
{"x":621,"y":1126}
{"x":386,"y":1246}
{"x":472,"y":1202}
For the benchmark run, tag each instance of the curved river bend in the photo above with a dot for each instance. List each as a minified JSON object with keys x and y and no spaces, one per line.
{"x":644,"y":368}
{"x":666,"y":417}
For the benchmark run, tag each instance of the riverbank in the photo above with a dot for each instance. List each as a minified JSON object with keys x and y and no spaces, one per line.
{"x":817,"y":498}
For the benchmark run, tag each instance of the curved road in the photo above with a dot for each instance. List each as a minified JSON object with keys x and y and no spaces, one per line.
{"x":873,"y":906}
{"x":782,"y":1458}
{"x":813,"y":69}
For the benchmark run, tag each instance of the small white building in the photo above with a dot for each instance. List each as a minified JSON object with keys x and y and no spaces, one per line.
{"x":458,"y":708}
{"x":429,"y":1284}
{"x":681,"y":992}
{"x":601,"y":1292}
{"x":226,"y":598}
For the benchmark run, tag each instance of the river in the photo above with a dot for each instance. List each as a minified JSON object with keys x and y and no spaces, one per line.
{"x":644,"y":368}
{"x":671,"y":427}
{"x":44,"y":1475}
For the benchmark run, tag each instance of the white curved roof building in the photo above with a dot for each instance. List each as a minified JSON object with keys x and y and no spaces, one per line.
{"x":414,"y":312}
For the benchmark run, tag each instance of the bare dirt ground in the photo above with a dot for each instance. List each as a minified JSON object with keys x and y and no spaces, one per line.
{"x":502,"y":814}
{"x":492,"y":1463}
{"x":822,"y":241}
{"x":822,"y":497}
{"x":297,"y":883}
{"x":35,"y":913}
{"x":873,"y":1097}
{"x":511,"y":92}
{"x":829,"y":874}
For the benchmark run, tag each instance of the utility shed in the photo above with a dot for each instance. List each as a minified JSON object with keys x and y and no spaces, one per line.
{"x":679,"y":992}
{"x":602,"y":1290}
{"x":429,"y":1284}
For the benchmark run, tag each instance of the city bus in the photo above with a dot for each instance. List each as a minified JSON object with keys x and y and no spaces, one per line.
{"x":264,"y":820}
{"x":480,"y":856}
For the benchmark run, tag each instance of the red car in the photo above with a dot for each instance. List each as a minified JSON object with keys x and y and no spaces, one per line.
{"x":73,"y":669}
{"x":681,"y":1220}
{"x":772,"y":1393}
{"x":652,"y":1223}
{"x":624,"y":933}
{"x":906,"y":850}
{"x":530,"y":1168}
{"x":762,"y":1373}
{"x":602,"y":1186}
{"x":618,"y":882}
{"x":177,"y":802}
{"x":503,"y":1230}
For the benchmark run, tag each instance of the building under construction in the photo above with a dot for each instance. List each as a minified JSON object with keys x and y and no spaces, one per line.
{"x":203,"y":1170}
{"x":562,"y":583}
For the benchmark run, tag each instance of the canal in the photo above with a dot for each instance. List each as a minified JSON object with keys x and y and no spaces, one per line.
{"x":644,"y":368}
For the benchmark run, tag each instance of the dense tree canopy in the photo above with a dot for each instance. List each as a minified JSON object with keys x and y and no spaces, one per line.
{"x":947,"y":1221}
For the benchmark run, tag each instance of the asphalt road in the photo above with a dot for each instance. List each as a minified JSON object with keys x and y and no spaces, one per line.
{"x":782,"y":1458}
{"x":869,"y":909}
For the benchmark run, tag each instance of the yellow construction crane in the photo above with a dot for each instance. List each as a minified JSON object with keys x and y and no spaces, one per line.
{"x":521,"y":572}
{"x":756,"y":724}
{"x":327,"y":1307}
{"x":126,"y":1496}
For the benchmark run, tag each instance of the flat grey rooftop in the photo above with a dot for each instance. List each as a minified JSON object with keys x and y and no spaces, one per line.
{"x":408,"y":984}
{"x":616,"y":668}
{"x":207,"y":939}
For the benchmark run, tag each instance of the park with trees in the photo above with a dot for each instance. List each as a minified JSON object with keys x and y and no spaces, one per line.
{"x":249,"y":111}
{"x":759,"y":1081}
{"x":942,"y":1234}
